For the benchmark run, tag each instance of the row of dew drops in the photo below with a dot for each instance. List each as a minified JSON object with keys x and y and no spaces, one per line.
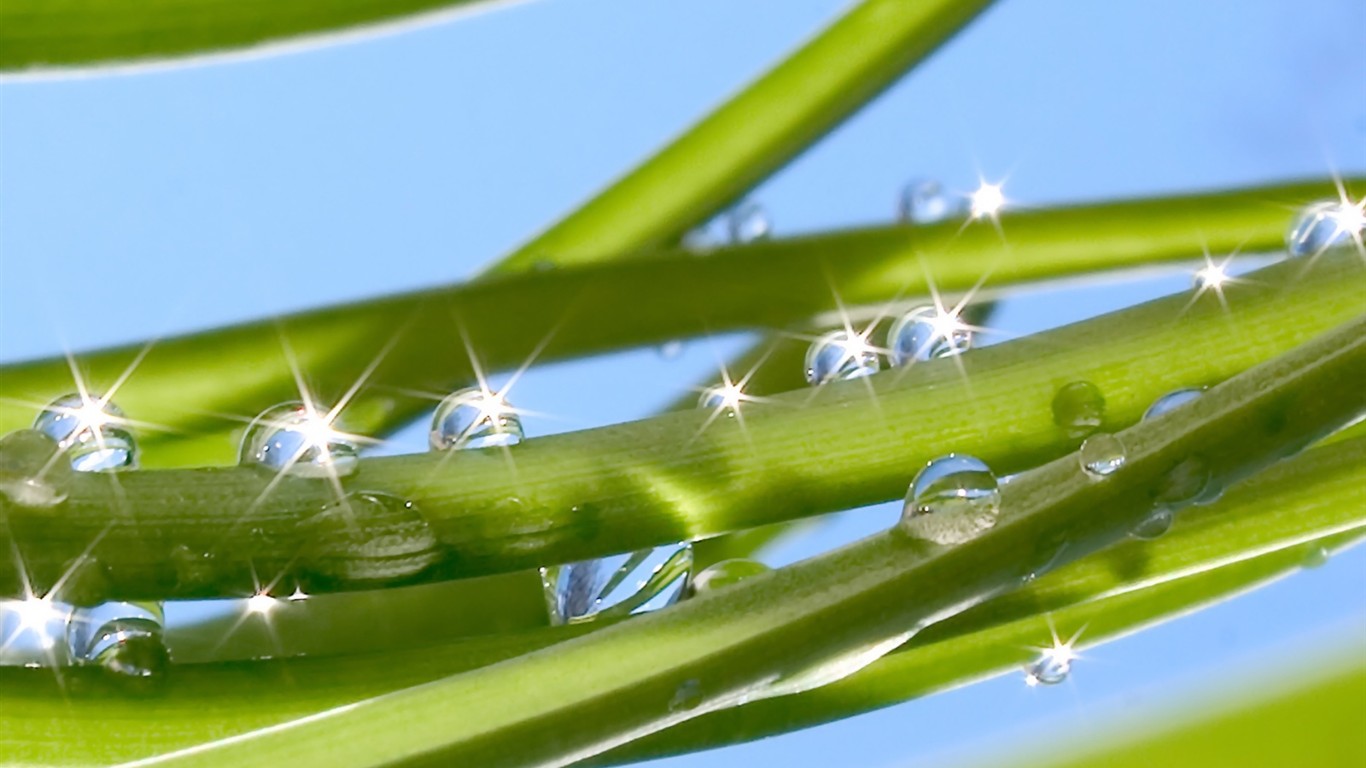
{"x":950,"y":501}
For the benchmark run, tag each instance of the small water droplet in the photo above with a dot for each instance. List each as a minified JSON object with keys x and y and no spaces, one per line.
{"x":924,"y":201}
{"x":91,"y":430}
{"x":30,"y":473}
{"x":1079,"y":408}
{"x":925,"y":333}
{"x":725,"y":573}
{"x":839,"y":356}
{"x":368,"y":538}
{"x":1189,"y":482}
{"x":300,"y":441}
{"x":1316,"y":556}
{"x":1101,"y":454}
{"x":670,"y":350}
{"x":952,"y":500}
{"x":1051,"y":667}
{"x":474,"y":418}
{"x":1325,"y":225}
{"x":1158,"y":522}
{"x":1172,"y":400}
{"x":687,"y":696}
{"x":125,"y":639}
{"x":618,"y":585}
{"x":748,"y":222}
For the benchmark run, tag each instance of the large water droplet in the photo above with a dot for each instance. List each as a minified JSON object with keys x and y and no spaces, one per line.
{"x":748,"y":222}
{"x":1079,"y":408}
{"x":1101,"y":454}
{"x":300,"y":441}
{"x":368,"y":538}
{"x":725,"y":573}
{"x":474,"y":418}
{"x":1324,"y":225}
{"x":618,"y":585}
{"x":91,"y":430}
{"x":1158,"y":522}
{"x":1172,"y":400}
{"x":952,"y":500}
{"x":925,"y":333}
{"x":838,"y":356}
{"x":924,"y":201}
{"x":124,"y":639}
{"x":31,"y":472}
{"x":1051,"y":667}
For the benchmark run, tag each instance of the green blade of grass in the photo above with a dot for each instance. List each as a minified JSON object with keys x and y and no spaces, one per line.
{"x":186,"y":383}
{"x":675,"y":477}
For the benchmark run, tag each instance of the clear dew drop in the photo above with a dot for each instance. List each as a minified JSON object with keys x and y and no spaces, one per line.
{"x":1325,"y":225}
{"x":1158,"y":522}
{"x":93,"y":433}
{"x":125,"y":639}
{"x":474,"y":418}
{"x":1051,"y":667}
{"x":839,"y":356}
{"x":748,"y":222}
{"x":924,"y":201}
{"x":1315,"y":557}
{"x":1079,"y":408}
{"x":619,"y":585}
{"x":925,"y":333}
{"x":1172,"y":400}
{"x":368,"y":538}
{"x":687,"y":696}
{"x":952,"y":500}
{"x":725,"y":573}
{"x":31,"y":474}
{"x":299,"y":441}
{"x":1101,"y":455}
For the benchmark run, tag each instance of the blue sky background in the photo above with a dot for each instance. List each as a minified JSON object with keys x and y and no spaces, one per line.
{"x":136,"y":206}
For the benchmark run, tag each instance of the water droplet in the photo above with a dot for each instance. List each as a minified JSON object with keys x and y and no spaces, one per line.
{"x":1172,"y":400}
{"x":727,"y":396}
{"x":1079,"y":408}
{"x":125,"y":639}
{"x":1158,"y":522}
{"x":725,"y":573}
{"x":952,"y":500}
{"x":1324,"y":225}
{"x":670,"y":350}
{"x":925,"y":333}
{"x":91,"y":430}
{"x":1189,"y":482}
{"x":687,"y":696}
{"x":368,"y":538}
{"x":1101,"y":454}
{"x":838,"y":356}
{"x":30,"y":473}
{"x":618,"y":585}
{"x":748,"y":222}
{"x":474,"y":418}
{"x":1052,"y":667}
{"x":924,"y":201}
{"x":1315,"y":556}
{"x":300,"y":441}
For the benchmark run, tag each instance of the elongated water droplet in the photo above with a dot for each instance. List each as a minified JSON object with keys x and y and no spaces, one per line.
{"x":1158,"y":522}
{"x":1079,"y":408}
{"x":618,"y":585}
{"x":1051,"y":667}
{"x":952,"y":500}
{"x":925,"y":333}
{"x":474,"y":418}
{"x":124,"y":639}
{"x":300,"y":441}
{"x":32,"y":472}
{"x":1101,"y":454}
{"x":838,"y":356}
{"x":368,"y":538}
{"x":725,"y":573}
{"x":1325,"y":225}
{"x":91,"y":430}
{"x":924,"y":201}
{"x":1172,"y":400}
{"x":748,"y":222}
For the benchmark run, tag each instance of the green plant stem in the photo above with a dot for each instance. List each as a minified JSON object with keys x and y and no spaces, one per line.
{"x":822,"y":619}
{"x":39,"y":35}
{"x":1257,"y":531}
{"x":185,"y":383}
{"x":569,"y":497}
